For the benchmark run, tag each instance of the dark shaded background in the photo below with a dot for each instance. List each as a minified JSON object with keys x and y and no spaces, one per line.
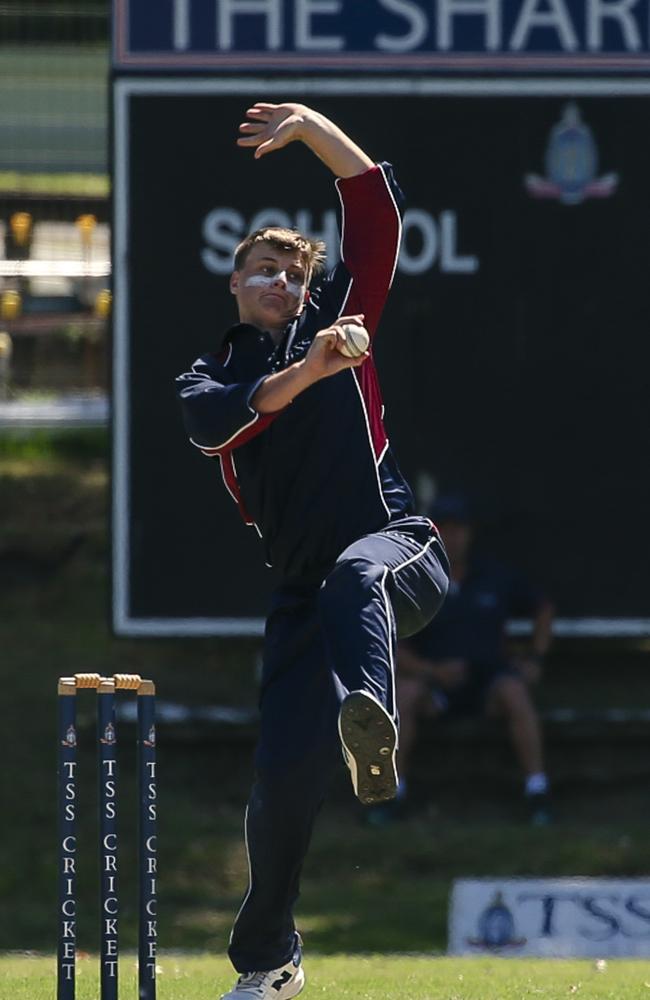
{"x":525,"y":383}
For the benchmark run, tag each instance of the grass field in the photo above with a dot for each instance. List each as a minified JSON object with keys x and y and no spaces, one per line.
{"x":368,"y":977}
{"x":377,"y":891}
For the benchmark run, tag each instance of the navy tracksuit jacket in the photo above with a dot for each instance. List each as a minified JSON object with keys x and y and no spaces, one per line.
{"x":319,"y":482}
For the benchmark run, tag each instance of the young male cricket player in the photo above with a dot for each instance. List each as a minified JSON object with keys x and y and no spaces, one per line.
{"x":297,"y":426}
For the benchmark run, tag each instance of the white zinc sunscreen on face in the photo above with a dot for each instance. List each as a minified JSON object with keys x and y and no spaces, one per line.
{"x":266,"y":280}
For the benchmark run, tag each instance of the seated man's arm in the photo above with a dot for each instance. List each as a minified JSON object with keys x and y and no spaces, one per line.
{"x":542,"y":629}
{"x":531,"y":665}
{"x":527,"y":600}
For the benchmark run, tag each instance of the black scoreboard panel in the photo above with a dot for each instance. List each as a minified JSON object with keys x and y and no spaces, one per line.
{"x":513,"y":351}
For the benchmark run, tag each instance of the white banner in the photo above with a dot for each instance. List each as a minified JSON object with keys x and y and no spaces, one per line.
{"x":560,"y":917}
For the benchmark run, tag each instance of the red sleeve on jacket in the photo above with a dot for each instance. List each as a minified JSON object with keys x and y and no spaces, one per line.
{"x":371,"y":228}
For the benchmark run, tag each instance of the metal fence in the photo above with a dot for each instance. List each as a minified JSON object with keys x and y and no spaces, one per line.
{"x":54,"y":233}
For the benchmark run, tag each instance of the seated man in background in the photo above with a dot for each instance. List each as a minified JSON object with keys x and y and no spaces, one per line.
{"x":459,"y":664}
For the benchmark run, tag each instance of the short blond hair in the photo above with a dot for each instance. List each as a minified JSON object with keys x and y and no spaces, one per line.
{"x":312,"y":252}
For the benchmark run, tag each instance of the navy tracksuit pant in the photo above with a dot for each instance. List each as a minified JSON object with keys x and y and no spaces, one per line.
{"x":322,"y":642}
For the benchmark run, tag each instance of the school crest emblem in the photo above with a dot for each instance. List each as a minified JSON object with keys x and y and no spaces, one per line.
{"x":70,"y":739}
{"x":109,"y":734}
{"x":571,"y":163}
{"x":496,"y":927}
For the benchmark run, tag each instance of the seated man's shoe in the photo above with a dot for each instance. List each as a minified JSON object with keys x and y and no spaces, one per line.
{"x":369,"y":739}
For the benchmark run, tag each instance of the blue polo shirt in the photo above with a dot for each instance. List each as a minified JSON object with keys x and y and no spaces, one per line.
{"x":471,"y":624}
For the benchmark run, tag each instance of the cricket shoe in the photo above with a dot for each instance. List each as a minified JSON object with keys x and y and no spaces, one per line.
{"x":276,"y":984}
{"x":369,"y":739}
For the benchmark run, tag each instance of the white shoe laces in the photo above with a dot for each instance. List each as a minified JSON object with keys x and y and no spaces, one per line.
{"x":255,"y":982}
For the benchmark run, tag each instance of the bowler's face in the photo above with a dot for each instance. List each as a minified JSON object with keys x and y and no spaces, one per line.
{"x":270,"y":287}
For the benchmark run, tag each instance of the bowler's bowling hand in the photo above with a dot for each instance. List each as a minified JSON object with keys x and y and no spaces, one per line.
{"x":272,"y":126}
{"x":325,"y":358}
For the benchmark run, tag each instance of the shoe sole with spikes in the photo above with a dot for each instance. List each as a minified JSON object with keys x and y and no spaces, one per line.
{"x":369,"y":738}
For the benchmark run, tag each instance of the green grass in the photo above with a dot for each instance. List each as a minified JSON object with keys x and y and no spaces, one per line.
{"x":365,"y":890}
{"x":369,"y":977}
{"x":43,"y":449}
{"x":54,"y":185}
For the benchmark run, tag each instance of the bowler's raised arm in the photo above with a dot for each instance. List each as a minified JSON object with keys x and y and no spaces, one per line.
{"x":272,"y":126}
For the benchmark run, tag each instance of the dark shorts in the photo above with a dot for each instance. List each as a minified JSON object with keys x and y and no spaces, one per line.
{"x":469,"y":699}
